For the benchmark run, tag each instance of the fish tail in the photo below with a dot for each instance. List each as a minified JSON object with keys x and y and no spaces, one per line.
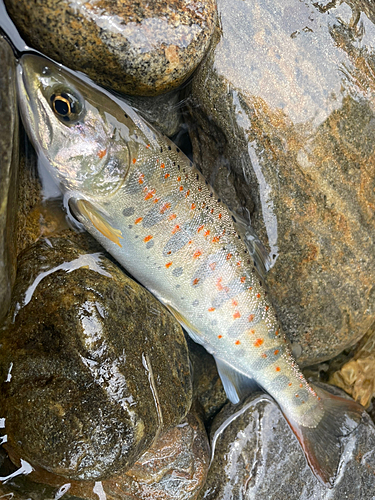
{"x":322,"y":443}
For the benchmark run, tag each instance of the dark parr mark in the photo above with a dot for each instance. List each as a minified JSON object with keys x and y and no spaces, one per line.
{"x":177,"y":272}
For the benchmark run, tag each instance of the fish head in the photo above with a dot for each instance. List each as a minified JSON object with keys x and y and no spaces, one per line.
{"x":81,"y":135}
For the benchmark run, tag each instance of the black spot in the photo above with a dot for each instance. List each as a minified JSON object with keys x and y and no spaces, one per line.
{"x":211,"y":195}
{"x":178,"y":151}
{"x":197,"y":177}
{"x":239,"y":236}
{"x":126,"y":116}
{"x":169,"y":148}
{"x":233,"y":218}
{"x":161,"y":150}
{"x":219,"y":200}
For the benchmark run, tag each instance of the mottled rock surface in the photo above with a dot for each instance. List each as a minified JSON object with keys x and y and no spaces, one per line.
{"x":174,"y":468}
{"x":93,"y":368}
{"x":257,"y":457}
{"x":9,"y":161}
{"x":284,"y":103}
{"x":141,"y":48}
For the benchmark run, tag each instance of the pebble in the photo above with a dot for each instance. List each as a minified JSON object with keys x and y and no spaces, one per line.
{"x":9,"y":147}
{"x":284,"y":104}
{"x":142,"y":48}
{"x":93,"y":369}
{"x":257,"y":457}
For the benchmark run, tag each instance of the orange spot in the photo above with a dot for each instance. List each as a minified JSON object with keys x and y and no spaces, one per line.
{"x":200,"y":228}
{"x":220,"y":216}
{"x":211,"y":309}
{"x":175,"y":229}
{"x":276,"y":352}
{"x":258,"y":295}
{"x":234,"y":303}
{"x":148,"y":145}
{"x":181,"y":188}
{"x":237,"y":342}
{"x":172,"y":216}
{"x":290,"y":385}
{"x":197,"y":254}
{"x":187,"y":193}
{"x":297,"y":396}
{"x":258,"y":342}
{"x":236,"y":315}
{"x":134,"y":160}
{"x":264,"y":355}
{"x":211,"y":211}
{"x":193,"y":206}
{"x":252,"y":332}
{"x":238,"y":264}
{"x":218,"y":284}
{"x":166,"y":176}
{"x":277,"y":368}
{"x":301,"y":385}
{"x":178,"y":179}
{"x":243,"y":279}
{"x":207,"y":233}
{"x":215,"y":239}
{"x":213,"y":266}
{"x":137,"y":221}
{"x":219,"y":336}
{"x":162,"y":165}
{"x":150,"y":194}
{"x":250,"y":288}
{"x":168,"y":264}
{"x":229,"y":256}
{"x":148,"y":238}
{"x":277,"y":333}
{"x":190,"y":242}
{"x":141,"y":178}
{"x":251,"y":318}
{"x":156,"y":200}
{"x":165,"y":207}
{"x":195,"y":282}
{"x":266,"y":308}
{"x":102,"y":153}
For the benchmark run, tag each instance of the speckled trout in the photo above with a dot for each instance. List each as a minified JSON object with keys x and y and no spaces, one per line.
{"x":147,"y":204}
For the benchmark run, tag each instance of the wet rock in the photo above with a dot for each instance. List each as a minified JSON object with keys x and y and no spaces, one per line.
{"x":175,"y":467}
{"x":285,"y":103}
{"x":9,"y":145}
{"x":142,"y":48}
{"x":93,"y":368}
{"x":357,"y":375}
{"x":257,"y":457}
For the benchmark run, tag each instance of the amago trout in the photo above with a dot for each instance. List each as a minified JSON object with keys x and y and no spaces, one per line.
{"x":145,"y":202}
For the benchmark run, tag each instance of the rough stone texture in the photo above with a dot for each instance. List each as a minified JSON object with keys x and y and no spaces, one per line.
{"x":9,"y":161}
{"x":257,"y":457}
{"x":141,"y":48}
{"x":285,"y":101}
{"x":357,"y":375}
{"x":174,"y":468}
{"x":93,"y":368}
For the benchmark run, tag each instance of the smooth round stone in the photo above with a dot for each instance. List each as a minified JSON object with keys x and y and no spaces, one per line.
{"x":93,"y":369}
{"x":174,"y":468}
{"x":9,"y":146}
{"x":257,"y":457}
{"x":142,"y":48}
{"x":284,"y":103}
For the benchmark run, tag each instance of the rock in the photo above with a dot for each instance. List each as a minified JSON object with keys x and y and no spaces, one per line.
{"x":357,"y":376}
{"x":257,"y":457}
{"x":175,"y":467}
{"x":284,"y":104}
{"x":142,"y":48}
{"x":9,"y":144}
{"x":93,"y":368}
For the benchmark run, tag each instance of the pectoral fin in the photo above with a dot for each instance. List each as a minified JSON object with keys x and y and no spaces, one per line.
{"x":98,"y":220}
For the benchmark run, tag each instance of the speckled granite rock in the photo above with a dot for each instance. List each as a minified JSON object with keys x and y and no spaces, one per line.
{"x":93,"y":368}
{"x":284,"y":102}
{"x":141,"y":48}
{"x":357,"y":375}
{"x":9,"y":161}
{"x":257,"y":457}
{"x":174,"y":468}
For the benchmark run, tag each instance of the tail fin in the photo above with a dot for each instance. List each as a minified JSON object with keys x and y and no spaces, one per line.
{"x":322,"y":444}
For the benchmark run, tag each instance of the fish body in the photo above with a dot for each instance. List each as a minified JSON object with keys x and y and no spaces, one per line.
{"x":148,"y":205}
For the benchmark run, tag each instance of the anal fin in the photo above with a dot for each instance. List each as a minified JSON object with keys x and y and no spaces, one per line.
{"x":236,"y":385}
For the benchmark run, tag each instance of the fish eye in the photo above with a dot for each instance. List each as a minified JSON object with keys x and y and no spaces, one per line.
{"x":67,"y":106}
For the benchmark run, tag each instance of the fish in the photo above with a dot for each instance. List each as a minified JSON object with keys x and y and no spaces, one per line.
{"x":147,"y":204}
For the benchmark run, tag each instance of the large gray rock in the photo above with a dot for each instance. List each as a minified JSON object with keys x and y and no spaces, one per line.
{"x":257,"y":457}
{"x":141,"y":48}
{"x":283,"y":111}
{"x":9,"y":160}
{"x":93,"y":369}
